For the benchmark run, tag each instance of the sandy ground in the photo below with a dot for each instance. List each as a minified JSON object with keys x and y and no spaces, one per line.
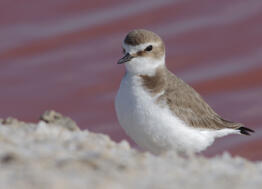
{"x":54,"y":153}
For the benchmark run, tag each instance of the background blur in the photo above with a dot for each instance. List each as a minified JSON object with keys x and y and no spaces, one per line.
{"x":62,"y":54}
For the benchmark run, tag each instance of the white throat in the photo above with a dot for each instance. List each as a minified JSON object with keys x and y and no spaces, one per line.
{"x":142,"y":65}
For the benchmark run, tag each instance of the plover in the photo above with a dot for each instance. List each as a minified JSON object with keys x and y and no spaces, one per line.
{"x":159,"y":111}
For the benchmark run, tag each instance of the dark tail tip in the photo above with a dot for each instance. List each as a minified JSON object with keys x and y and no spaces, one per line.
{"x":245,"y":130}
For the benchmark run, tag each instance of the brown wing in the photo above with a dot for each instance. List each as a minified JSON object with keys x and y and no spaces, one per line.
{"x":189,"y":106}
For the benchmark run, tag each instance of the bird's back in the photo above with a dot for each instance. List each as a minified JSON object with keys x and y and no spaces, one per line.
{"x":190,"y":107}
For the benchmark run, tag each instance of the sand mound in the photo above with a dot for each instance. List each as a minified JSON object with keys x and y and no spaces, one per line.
{"x":54,"y":153}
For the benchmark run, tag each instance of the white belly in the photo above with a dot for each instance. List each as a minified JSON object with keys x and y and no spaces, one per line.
{"x":152,"y":126}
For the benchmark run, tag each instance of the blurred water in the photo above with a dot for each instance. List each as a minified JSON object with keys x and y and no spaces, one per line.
{"x":62,"y":55}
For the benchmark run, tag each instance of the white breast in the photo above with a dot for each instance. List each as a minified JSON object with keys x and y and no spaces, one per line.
{"x":152,"y":126}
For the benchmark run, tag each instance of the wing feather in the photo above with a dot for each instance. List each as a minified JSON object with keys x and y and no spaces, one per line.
{"x":189,"y":106}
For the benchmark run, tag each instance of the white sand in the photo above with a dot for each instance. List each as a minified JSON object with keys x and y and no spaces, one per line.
{"x":51,"y":155}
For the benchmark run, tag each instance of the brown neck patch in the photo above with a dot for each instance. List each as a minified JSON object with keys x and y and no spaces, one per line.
{"x":155,"y":83}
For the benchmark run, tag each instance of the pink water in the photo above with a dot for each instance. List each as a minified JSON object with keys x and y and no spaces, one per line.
{"x":62,"y":55}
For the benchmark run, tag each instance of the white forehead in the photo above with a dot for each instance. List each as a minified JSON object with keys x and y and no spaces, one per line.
{"x":133,"y":49}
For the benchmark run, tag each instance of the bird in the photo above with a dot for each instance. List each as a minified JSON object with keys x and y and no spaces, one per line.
{"x":158,"y":110}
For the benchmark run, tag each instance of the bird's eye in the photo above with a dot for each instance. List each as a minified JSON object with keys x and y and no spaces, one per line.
{"x":149,"y":48}
{"x":123,"y":51}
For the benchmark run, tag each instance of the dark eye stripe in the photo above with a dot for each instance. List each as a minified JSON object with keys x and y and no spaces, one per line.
{"x":149,"y":48}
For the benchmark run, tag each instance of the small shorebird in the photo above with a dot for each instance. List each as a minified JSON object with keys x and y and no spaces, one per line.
{"x":159,"y":111}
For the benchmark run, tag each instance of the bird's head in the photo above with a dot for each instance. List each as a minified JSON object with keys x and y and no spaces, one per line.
{"x":144,"y":52}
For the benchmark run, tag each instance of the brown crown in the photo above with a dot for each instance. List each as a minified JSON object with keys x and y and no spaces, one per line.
{"x":141,"y":36}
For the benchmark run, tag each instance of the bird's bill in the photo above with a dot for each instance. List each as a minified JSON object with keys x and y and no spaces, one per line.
{"x":126,"y":58}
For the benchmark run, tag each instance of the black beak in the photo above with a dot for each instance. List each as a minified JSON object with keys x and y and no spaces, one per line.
{"x":126,"y":58}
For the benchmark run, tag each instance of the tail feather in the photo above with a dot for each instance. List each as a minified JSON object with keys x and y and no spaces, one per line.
{"x":245,"y":130}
